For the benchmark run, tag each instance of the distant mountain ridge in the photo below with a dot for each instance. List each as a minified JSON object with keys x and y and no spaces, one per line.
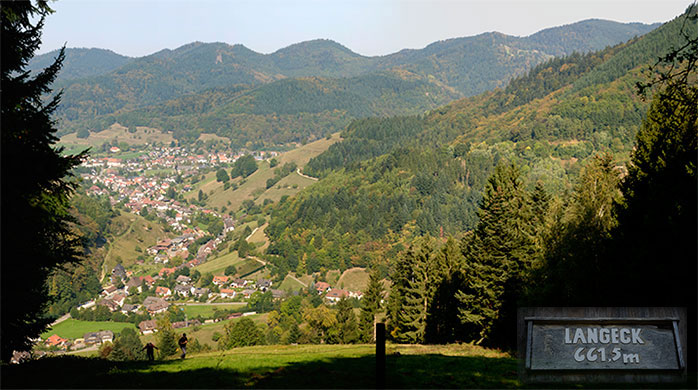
{"x":453,"y":68}
{"x":390,"y":178}
{"x":81,"y":62}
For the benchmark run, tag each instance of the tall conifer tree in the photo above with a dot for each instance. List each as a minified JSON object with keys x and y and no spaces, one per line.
{"x":346,"y":321}
{"x":415,"y":290}
{"x":499,"y":253}
{"x":370,"y":305}
{"x":36,"y":186}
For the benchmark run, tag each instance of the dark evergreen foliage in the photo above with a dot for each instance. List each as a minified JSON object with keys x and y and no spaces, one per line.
{"x":499,"y":254}
{"x":37,"y":236}
{"x":370,"y":306}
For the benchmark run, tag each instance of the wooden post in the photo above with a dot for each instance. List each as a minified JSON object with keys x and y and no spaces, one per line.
{"x":380,"y":356}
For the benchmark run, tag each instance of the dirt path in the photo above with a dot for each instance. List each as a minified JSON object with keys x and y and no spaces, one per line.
{"x":298,"y":280}
{"x":61,"y":319}
{"x":298,"y":171}
{"x":253,"y":232}
{"x":88,"y":349}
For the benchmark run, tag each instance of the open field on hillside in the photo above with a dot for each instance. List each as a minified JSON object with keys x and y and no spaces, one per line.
{"x":262,"y":273}
{"x":247,"y":267}
{"x":290,"y":284}
{"x":206,"y":311}
{"x":72,"y":328}
{"x":292,"y":366}
{"x":353,"y":279}
{"x":303,"y":154}
{"x":133,"y":235}
{"x":332,"y":277}
{"x":289,"y":185}
{"x":254,"y":186}
{"x":141,"y":136}
{"x":259,"y":236}
{"x":218,"y":265}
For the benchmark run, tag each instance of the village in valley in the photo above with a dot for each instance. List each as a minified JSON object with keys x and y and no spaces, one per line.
{"x":153,"y":183}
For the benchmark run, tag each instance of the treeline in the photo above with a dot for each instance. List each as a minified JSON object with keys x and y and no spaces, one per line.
{"x":431,"y":170}
{"x":284,"y":111}
{"x":357,"y":214}
{"x":616,"y":240}
{"x":365,"y":139}
{"x":280,"y":173}
{"x":77,"y":283}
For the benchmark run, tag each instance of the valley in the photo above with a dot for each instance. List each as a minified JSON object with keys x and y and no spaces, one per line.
{"x":285,"y":209}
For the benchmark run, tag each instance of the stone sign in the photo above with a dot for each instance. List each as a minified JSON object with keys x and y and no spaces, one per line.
{"x":601,"y":347}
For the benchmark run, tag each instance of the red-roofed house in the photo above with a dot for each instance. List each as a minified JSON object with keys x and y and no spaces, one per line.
{"x":336,"y":294}
{"x":227,"y":293}
{"x":149,"y":280}
{"x":162,"y":291}
{"x":220,"y":280}
{"x":321,"y":287}
{"x":56,"y":340}
{"x":119,"y":299}
{"x":166,"y":271}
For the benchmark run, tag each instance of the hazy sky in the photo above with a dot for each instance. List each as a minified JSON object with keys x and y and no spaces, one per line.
{"x":368,"y":27}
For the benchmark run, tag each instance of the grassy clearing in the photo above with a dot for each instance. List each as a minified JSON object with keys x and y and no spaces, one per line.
{"x":259,"y":236}
{"x":297,"y":366}
{"x":290,"y":284}
{"x":218,"y":265}
{"x":142,"y":136}
{"x":247,"y":266}
{"x":73,"y":329}
{"x":353,"y":279}
{"x":303,"y":154}
{"x":332,"y":277}
{"x":254,"y":186}
{"x":289,"y":185}
{"x":206,"y":311}
{"x":263,"y":273}
{"x":232,"y":199}
{"x":204,"y":333}
{"x":133,"y":233}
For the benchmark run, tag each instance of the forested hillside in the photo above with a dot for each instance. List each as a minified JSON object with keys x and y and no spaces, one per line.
{"x":425,"y":174}
{"x":80,"y":63}
{"x":287,"y":110}
{"x":240,"y":93}
{"x":578,"y":188}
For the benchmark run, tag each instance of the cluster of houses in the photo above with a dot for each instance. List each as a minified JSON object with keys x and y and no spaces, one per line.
{"x":169,"y":248}
{"x":334,"y":295}
{"x":88,"y":339}
{"x":128,"y":179}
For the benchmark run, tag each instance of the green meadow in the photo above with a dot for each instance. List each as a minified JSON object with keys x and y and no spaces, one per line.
{"x":291,"y":366}
{"x":72,"y":328}
{"x":206,"y":311}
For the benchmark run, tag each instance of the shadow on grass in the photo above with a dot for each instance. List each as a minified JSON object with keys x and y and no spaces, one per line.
{"x":403,"y":371}
{"x":81,"y":372}
{"x":406,"y":371}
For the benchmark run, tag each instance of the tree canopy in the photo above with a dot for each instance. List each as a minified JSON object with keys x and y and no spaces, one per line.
{"x":36,"y":226}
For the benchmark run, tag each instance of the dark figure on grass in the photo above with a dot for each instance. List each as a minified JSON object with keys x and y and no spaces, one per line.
{"x":150,"y":351}
{"x":183,"y":344}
